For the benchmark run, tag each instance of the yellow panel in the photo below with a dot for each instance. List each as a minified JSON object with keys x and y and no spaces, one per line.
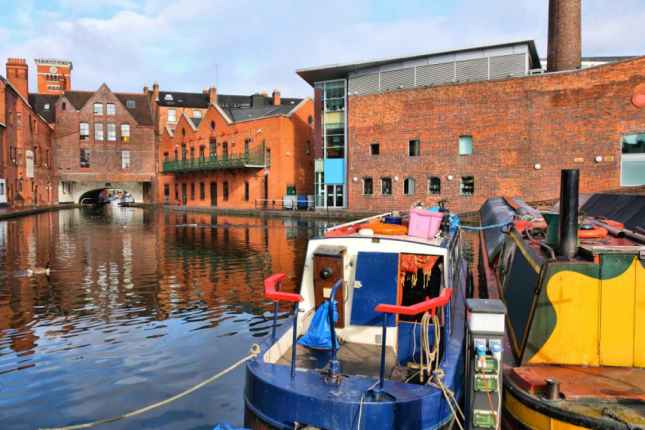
{"x":334,"y":117}
{"x":639,"y":304}
{"x":576,"y":300}
{"x":617,"y":319}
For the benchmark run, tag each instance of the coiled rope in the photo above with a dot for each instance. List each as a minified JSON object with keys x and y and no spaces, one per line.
{"x":255,"y":350}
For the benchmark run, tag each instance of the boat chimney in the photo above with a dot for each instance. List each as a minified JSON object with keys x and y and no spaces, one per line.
{"x":569,"y":184}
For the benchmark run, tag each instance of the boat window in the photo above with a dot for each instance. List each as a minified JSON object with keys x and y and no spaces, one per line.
{"x":420,"y":277}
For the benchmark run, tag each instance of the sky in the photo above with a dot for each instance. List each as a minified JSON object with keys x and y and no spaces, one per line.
{"x":247,"y":46}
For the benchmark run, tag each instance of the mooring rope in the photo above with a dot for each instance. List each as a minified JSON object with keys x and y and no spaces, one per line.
{"x":255,"y":350}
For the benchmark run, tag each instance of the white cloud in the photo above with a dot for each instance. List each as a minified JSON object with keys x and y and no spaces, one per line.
{"x":257,"y":45}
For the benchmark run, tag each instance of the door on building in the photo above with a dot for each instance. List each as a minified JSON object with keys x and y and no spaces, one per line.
{"x":335,"y":196}
{"x":184,"y":194}
{"x":213,"y":193}
{"x":266,"y":191}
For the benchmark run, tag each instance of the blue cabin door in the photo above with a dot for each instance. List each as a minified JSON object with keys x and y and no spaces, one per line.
{"x":377,"y":273}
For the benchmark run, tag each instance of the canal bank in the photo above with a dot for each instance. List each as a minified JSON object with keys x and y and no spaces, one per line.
{"x":8,"y":213}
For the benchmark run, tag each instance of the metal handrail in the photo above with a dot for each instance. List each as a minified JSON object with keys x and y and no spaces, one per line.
{"x":271,"y":285}
{"x":256,"y":159}
{"x":334,"y":364}
{"x":428,"y":305}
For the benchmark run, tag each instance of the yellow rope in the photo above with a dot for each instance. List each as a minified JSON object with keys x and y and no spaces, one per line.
{"x":255,"y":350}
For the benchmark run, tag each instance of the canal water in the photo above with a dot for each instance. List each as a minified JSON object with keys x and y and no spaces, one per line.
{"x":140,"y":304}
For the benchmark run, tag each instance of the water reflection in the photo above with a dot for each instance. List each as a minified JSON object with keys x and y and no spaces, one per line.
{"x":140,"y":304}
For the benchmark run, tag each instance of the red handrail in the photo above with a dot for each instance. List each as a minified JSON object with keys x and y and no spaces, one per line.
{"x":270,"y":290}
{"x":418,"y":308}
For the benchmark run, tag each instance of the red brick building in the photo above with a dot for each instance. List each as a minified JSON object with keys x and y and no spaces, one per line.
{"x":469,"y":124}
{"x":251,"y":152}
{"x":103,"y":139}
{"x":26,"y":151}
{"x":53,"y":76}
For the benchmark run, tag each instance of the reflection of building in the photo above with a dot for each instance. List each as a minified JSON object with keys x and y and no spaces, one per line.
{"x":237,"y":157}
{"x":468,"y":124}
{"x":26,"y":155}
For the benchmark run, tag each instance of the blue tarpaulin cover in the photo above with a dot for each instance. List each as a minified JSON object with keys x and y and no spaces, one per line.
{"x":319,"y":334}
{"x":228,"y":427}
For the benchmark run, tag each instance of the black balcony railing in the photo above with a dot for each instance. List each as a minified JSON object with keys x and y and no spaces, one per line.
{"x":250,"y":160}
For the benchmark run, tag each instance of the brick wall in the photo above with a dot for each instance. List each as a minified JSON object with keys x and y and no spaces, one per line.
{"x":105,"y":155}
{"x":26,"y":131}
{"x":287,"y":139}
{"x":561,"y":120}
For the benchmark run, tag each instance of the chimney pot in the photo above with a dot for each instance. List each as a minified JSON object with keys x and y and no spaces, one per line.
{"x":18,"y":75}
{"x":276,"y":97}
{"x":212,"y":95}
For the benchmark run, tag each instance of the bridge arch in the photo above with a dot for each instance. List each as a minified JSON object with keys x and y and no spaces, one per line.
{"x":73,"y":192}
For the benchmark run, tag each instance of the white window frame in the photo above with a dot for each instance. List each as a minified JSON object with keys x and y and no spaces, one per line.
{"x":125,"y":160}
{"x":98,"y":108}
{"x":110,"y":109}
{"x":197,"y":113}
{"x":84,"y":127}
{"x":174,"y":116}
{"x":125,"y":133}
{"x":98,"y":131}
{"x":111,"y":132}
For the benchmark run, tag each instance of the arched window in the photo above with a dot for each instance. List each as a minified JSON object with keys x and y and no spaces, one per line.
{"x":408,"y":186}
{"x":183,"y":132}
{"x":212,"y":125}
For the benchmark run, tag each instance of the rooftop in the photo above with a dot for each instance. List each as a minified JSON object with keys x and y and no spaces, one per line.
{"x":339,"y":71}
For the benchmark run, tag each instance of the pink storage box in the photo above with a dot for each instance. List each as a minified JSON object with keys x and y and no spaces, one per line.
{"x":424,"y":224}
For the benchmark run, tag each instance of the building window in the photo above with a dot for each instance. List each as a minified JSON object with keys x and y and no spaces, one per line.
{"x":434,"y":185}
{"x":192,"y":153}
{"x":165,"y":156}
{"x":386,"y":186}
{"x":247,"y":145}
{"x":197,"y":114}
{"x":192,"y":191}
{"x":98,"y":131}
{"x":225,"y":150}
{"x":167,"y":97}
{"x":467,"y":186}
{"x":632,"y":167}
{"x":63,"y":106}
{"x":84,"y":131}
{"x":176,"y":155}
{"x":414,"y":148}
{"x":110,"y":109}
{"x":46,"y":106}
{"x":183,"y":152}
{"x":212,"y":125}
{"x":225,"y":190}
{"x":98,"y":108}
{"x":202,"y":191}
{"x":202,"y":153}
{"x":375,"y":149}
{"x":335,"y":147}
{"x":172,"y":115}
{"x":111,"y":131}
{"x":409,"y":186}
{"x":212,"y":148}
{"x":125,"y":133}
{"x":465,"y":145}
{"x":85,"y":157}
{"x":177,"y":192}
{"x":246,"y":191}
{"x":125,"y":159}
{"x":166,"y":191}
{"x":368,"y":186}
{"x":130,"y":104}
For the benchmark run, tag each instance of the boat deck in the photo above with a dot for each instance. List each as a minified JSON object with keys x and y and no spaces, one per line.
{"x":355,"y":359}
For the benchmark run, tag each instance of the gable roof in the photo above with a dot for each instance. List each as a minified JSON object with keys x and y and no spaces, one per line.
{"x":39,"y":104}
{"x":141,"y":112}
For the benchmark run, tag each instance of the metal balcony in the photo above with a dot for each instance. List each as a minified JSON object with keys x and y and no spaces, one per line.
{"x":243,"y":161}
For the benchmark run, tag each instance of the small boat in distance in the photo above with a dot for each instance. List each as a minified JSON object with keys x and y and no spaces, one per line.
{"x":392,"y":291}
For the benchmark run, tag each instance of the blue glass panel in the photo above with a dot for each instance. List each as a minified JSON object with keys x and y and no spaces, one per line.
{"x":334,"y":169}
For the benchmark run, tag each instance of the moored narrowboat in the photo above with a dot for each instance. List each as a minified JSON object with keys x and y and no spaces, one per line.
{"x":394,"y":304}
{"x":574,"y":287}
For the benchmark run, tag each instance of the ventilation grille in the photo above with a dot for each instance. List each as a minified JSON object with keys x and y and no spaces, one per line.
{"x":436,"y":74}
{"x":507,"y":65}
{"x":365,"y":84}
{"x":472,"y":70}
{"x":397,"y":79}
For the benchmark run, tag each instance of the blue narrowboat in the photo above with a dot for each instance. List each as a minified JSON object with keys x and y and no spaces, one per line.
{"x":393,"y":308}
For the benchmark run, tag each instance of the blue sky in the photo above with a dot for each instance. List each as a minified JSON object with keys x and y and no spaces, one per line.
{"x":245,"y":46}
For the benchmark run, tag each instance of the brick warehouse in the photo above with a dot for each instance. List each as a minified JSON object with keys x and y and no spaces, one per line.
{"x":465,"y":125}
{"x":250,"y":152}
{"x":26,"y":156}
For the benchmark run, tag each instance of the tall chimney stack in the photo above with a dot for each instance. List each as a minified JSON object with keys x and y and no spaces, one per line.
{"x":18,"y":75}
{"x":565,"y":35}
{"x":212,"y":95}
